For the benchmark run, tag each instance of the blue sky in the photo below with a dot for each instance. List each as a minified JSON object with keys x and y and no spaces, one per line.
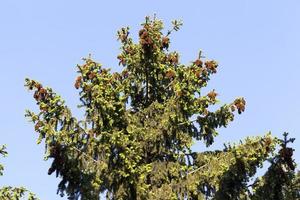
{"x":257,"y":44}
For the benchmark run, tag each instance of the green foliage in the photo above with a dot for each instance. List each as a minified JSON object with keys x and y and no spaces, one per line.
{"x":280,"y":181}
{"x":3,"y":152}
{"x":140,"y":124}
{"x":13,"y":193}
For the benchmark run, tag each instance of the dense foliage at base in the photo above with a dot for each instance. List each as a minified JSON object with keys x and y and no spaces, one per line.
{"x":140,"y":124}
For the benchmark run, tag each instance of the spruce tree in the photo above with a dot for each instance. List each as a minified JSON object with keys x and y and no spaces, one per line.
{"x":140,"y":124}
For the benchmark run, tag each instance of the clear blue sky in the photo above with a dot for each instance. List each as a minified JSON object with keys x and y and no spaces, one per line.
{"x":257,"y":44}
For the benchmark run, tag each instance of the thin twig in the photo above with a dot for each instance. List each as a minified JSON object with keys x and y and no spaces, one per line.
{"x":195,"y":170}
{"x":86,"y":155}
